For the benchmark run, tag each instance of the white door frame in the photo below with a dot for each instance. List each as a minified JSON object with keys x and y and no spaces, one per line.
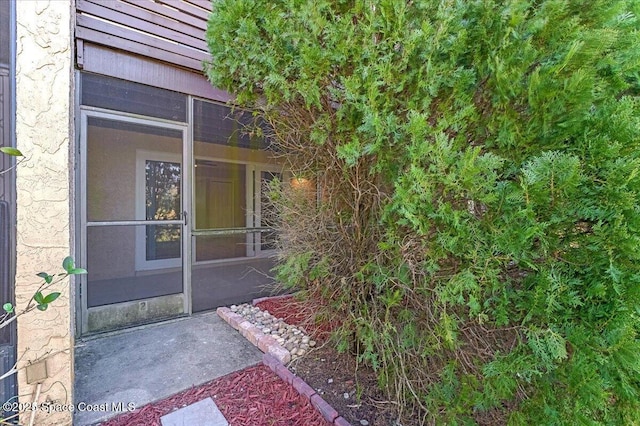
{"x":142,"y":156}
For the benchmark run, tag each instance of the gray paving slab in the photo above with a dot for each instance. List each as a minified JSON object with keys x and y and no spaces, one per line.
{"x":201,"y":413}
{"x":139,"y":366}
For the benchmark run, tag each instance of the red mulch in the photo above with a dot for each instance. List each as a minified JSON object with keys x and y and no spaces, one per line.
{"x":299,"y":314}
{"x":254,"y":396}
{"x":286,"y":308}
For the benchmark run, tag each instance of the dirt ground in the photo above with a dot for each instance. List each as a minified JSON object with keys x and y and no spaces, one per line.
{"x":350,"y":388}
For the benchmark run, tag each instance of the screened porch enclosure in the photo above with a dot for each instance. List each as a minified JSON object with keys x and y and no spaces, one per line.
{"x":174,"y":207}
{"x":134,"y":177}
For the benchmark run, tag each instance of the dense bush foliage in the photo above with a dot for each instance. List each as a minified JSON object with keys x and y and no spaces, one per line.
{"x":477,"y":223}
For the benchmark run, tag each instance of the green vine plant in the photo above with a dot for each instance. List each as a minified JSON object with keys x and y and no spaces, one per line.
{"x":41,"y":299}
{"x":13,"y":152}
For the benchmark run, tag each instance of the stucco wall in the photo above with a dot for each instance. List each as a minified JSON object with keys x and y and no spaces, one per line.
{"x":43,"y":93}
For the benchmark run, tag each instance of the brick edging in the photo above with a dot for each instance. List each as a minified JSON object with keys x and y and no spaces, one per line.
{"x":274,"y":357}
{"x":253,"y":334}
{"x":328,"y":412}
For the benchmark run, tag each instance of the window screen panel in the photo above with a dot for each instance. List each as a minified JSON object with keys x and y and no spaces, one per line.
{"x":122,"y":268}
{"x":219,"y":124}
{"x":120,"y":95}
{"x":120,"y":157}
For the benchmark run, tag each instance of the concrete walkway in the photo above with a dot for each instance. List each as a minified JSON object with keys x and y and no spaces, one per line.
{"x":143,"y":365}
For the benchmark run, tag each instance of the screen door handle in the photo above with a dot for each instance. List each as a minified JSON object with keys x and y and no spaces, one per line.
{"x":185,"y":217}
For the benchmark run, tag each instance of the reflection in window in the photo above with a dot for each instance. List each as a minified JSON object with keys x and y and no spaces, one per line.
{"x":221,"y":203}
{"x":162,"y":202}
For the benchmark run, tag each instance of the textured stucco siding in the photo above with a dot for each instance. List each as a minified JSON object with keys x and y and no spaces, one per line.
{"x":43,"y":132}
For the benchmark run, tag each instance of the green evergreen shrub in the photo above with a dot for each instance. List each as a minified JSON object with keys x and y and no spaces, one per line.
{"x":477,"y":225}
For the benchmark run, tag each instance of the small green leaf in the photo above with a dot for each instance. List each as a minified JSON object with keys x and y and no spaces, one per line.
{"x":77,"y":271}
{"x":38,"y":297}
{"x":8,"y":307}
{"x":46,"y":277}
{"x":42,"y":307}
{"x":11,"y":151}
{"x":67,"y":263}
{"x":51,"y":297}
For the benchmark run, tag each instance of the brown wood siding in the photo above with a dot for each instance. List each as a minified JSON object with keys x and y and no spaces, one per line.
{"x":171,"y":31}
{"x":141,"y":69}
